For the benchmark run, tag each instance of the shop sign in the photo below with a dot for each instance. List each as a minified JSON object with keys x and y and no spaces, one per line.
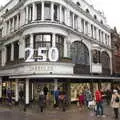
{"x":43,"y":54}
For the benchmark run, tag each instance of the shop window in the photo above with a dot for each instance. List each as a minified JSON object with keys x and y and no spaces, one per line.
{"x":47,"y":11}
{"x":39,"y":10}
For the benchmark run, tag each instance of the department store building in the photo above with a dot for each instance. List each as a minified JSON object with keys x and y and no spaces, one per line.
{"x":53,"y":43}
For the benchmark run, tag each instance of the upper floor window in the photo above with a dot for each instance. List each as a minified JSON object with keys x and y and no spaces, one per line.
{"x":30,"y":13}
{"x":8,"y":52}
{"x":87,"y":11}
{"x":63,"y":14}
{"x":71,"y":19}
{"x":92,"y":30}
{"x":56,"y":12}
{"x":39,"y":11}
{"x":78,"y":3}
{"x":82,"y":24}
{"x":42,"y":40}
{"x":60,"y":45}
{"x":101,"y":22}
{"x":16,"y":50}
{"x":47,"y":11}
{"x":0,"y":33}
{"x":79,"y":53}
{"x":96,"y":56}
{"x":95,"y":17}
{"x":76,"y":22}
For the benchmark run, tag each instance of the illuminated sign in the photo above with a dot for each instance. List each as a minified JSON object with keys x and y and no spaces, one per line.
{"x":43,"y":54}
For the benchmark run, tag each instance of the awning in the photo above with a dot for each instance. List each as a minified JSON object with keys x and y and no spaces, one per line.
{"x":53,"y":76}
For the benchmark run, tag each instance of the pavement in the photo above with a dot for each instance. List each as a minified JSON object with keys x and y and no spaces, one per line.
{"x":72,"y":113}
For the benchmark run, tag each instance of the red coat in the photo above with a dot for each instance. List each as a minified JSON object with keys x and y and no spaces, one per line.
{"x":98,"y":96}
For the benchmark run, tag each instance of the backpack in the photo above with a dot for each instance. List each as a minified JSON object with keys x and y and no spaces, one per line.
{"x":117,"y":99}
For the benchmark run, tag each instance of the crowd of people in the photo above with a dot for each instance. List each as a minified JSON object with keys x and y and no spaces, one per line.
{"x":85,"y":99}
{"x":97,"y":99}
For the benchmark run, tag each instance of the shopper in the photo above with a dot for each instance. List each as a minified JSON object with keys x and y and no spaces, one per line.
{"x":115,"y":102}
{"x":99,"y":103}
{"x":42,"y":101}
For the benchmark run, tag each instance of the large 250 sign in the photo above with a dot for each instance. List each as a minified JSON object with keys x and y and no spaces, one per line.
{"x":53,"y":54}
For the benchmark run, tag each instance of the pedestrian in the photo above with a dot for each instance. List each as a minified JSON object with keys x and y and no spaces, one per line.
{"x":99,"y":104}
{"x":88,"y":96}
{"x":63,"y":100}
{"x":56,"y":95}
{"x":115,"y":103}
{"x":42,"y":101}
{"x":9,"y":95}
{"x":81,"y":100}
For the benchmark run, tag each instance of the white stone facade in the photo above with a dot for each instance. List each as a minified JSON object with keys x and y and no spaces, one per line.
{"x":73,"y":21}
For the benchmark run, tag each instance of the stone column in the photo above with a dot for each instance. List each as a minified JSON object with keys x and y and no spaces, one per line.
{"x":21,"y":47}
{"x":42,"y":12}
{"x":27,"y":91}
{"x":0,"y":88}
{"x":52,"y":11}
{"x":26,"y":18}
{"x":16,"y":92}
{"x":61,"y":19}
{"x":12,"y":51}
{"x":4,"y":50}
{"x":34,"y":17}
{"x":65,"y":47}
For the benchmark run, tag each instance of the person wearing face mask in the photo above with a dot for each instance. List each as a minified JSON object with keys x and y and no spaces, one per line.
{"x":115,"y":103}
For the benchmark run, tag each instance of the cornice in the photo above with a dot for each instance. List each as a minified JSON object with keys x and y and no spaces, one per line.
{"x":75,"y":6}
{"x":68,"y":2}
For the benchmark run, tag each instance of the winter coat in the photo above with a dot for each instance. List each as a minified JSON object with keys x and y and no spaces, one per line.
{"x":115,"y":104}
{"x":42,"y":100}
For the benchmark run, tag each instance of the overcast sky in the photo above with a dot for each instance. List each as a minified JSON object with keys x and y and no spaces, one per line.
{"x":111,"y":10}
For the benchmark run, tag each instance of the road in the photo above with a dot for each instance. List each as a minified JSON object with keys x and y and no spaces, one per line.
{"x":71,"y":114}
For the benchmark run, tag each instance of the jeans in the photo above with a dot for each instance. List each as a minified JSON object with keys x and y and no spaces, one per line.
{"x":99,"y":110}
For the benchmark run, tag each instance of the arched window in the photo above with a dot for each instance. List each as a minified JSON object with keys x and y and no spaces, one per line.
{"x":79,"y":53}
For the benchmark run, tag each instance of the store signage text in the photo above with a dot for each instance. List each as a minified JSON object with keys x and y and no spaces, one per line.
{"x":43,"y":54}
